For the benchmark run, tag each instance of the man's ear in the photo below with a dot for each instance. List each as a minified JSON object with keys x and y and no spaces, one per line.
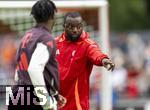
{"x":64,"y":25}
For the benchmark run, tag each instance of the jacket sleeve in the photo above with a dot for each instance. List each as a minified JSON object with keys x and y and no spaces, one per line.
{"x":37,"y":64}
{"x":39,"y":59}
{"x":95,"y":55}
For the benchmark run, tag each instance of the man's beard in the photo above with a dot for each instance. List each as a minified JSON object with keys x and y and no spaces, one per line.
{"x":72,"y":38}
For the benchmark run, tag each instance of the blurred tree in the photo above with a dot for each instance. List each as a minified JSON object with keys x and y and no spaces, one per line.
{"x":148,"y":7}
{"x":128,"y":15}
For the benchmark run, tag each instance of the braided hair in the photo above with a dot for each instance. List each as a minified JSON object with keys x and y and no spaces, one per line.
{"x":42,"y":10}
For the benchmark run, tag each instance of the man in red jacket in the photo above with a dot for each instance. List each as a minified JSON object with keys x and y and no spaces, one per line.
{"x":76,"y":55}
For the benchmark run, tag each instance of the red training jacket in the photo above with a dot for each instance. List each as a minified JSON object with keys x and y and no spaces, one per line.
{"x":75,"y":60}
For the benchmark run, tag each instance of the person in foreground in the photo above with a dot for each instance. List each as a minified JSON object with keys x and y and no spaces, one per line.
{"x":37,"y":68}
{"x":76,"y":55}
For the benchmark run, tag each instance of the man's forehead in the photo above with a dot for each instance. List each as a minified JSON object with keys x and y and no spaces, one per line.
{"x":73,"y":20}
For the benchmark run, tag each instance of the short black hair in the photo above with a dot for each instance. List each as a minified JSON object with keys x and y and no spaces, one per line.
{"x":72,"y":15}
{"x":42,"y":10}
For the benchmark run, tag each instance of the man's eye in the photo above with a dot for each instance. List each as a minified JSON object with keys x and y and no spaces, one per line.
{"x":79,"y":27}
{"x":72,"y":27}
{"x":69,"y":26}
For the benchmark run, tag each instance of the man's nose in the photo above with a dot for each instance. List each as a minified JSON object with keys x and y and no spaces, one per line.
{"x":75,"y":30}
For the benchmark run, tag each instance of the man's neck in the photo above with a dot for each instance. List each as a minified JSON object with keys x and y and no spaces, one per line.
{"x":45,"y":25}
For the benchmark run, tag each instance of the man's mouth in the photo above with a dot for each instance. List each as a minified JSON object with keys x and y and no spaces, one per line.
{"x":74,"y":35}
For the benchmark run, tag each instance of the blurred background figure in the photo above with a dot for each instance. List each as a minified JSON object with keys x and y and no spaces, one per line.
{"x":119,"y":75}
{"x":7,"y":57}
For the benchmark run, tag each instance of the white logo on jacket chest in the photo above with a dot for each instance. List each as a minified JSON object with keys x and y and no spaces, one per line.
{"x":57,"y":52}
{"x":73,"y":53}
